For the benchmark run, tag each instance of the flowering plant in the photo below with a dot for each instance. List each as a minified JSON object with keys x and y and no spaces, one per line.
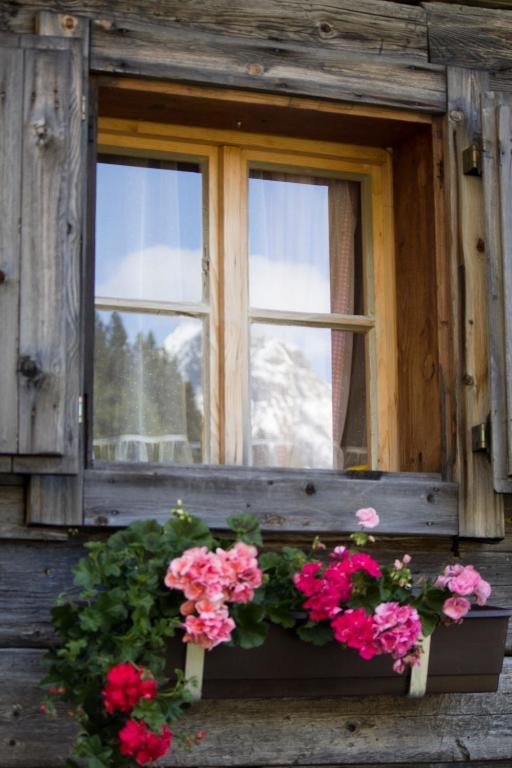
{"x":136,"y":589}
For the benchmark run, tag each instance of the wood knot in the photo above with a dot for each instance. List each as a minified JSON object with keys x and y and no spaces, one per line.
{"x":480,"y":245}
{"x":3,"y":276}
{"x":30,"y":369}
{"x":69,"y":23}
{"x":41,"y":132}
{"x":255,"y":69}
{"x":310,"y":489}
{"x":456,"y":116}
{"x":326,"y":30}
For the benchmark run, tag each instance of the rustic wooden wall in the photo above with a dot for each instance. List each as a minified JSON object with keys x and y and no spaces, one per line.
{"x":361,"y":50}
{"x":435,"y":732}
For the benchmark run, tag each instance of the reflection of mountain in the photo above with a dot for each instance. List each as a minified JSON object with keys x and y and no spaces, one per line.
{"x":291,"y":406}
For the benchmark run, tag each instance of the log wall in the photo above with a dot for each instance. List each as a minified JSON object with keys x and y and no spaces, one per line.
{"x":435,"y":732}
{"x":359,"y":50}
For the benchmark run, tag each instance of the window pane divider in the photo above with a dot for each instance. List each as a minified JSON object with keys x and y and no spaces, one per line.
{"x":355,"y":323}
{"x":190,"y":309}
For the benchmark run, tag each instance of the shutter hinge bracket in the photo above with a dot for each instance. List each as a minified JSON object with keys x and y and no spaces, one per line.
{"x":81,"y":409}
{"x":481,"y":437}
{"x":84,"y":107}
{"x":472,"y":159}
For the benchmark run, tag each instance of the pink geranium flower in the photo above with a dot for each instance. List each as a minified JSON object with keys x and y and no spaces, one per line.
{"x":456,"y":608}
{"x":368,"y":517}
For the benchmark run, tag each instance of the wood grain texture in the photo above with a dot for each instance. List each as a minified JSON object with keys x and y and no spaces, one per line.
{"x":418,"y":360}
{"x":480,"y":509}
{"x":497,"y":174}
{"x":171,"y":51}
{"x":50,"y":273}
{"x":446,"y":303}
{"x":11,"y":87}
{"x":370,"y":25}
{"x":469,"y":37}
{"x":283,"y":500}
{"x":448,"y":728}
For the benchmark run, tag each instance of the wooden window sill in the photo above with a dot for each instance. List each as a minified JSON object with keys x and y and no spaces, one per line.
{"x":299,"y":501}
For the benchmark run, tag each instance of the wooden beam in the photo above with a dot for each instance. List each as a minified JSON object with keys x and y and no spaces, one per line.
{"x":283,"y":500}
{"x":175,"y":52}
{"x":469,"y":37}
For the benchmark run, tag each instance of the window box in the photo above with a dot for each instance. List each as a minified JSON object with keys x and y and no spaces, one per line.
{"x":465,"y":658}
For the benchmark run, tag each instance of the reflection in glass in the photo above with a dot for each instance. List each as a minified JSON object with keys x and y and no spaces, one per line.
{"x":303,"y":381}
{"x":149,"y":230}
{"x":148,"y":399}
{"x":302,"y":235}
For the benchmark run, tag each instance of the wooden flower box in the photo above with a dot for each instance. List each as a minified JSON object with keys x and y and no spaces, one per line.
{"x":464,"y":658}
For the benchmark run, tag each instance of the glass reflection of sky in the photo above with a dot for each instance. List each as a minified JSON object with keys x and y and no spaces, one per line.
{"x":148,"y":233}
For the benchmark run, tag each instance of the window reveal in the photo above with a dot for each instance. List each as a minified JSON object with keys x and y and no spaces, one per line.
{"x":243,"y":268}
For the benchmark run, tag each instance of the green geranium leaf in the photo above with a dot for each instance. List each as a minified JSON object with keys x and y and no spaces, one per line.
{"x":246,"y":528}
{"x":318,"y":634}
{"x":251,"y":629}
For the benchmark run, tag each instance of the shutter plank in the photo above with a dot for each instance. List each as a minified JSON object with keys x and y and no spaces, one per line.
{"x":480,"y":508}
{"x":505,"y":208}
{"x":497,"y":180}
{"x":42,"y":360}
{"x":11,"y":84}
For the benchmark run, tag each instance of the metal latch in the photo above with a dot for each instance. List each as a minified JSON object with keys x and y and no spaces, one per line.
{"x":481,"y":438}
{"x":472,"y":160}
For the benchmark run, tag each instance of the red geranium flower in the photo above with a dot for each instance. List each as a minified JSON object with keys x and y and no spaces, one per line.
{"x":137,"y":741}
{"x":126,"y":686}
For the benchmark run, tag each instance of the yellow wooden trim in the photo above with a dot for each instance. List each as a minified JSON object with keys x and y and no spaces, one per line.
{"x":207,"y":156}
{"x":355,"y":323}
{"x":209,"y":93}
{"x":233,"y":223}
{"x":229,"y":158}
{"x":149,"y":135}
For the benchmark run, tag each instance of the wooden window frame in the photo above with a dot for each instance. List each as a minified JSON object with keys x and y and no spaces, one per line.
{"x":286,"y":501}
{"x":227,"y":158}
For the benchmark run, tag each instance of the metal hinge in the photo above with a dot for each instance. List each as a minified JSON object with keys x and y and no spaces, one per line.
{"x":81,"y":409}
{"x":472,"y":159}
{"x":481,"y":437}
{"x":84,"y":107}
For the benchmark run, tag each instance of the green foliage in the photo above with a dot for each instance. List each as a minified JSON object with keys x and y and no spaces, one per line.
{"x":121,"y":611}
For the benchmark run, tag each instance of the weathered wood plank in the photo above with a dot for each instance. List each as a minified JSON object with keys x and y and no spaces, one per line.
{"x":11,"y":87}
{"x":43,"y":363}
{"x":481,"y":510}
{"x":497,"y":166}
{"x":12,"y":514}
{"x":155,"y":50}
{"x":289,"y":500}
{"x":375,"y":26}
{"x":465,"y":37}
{"x":281,"y":732}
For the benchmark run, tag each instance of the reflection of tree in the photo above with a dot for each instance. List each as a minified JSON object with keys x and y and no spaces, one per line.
{"x":138,"y":389}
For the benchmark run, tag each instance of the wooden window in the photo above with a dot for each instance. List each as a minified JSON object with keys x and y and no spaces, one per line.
{"x":245,"y":300}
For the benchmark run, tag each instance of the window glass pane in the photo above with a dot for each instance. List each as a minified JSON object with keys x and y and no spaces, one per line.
{"x":303,"y":244}
{"x":148,"y":397}
{"x":308,"y":399}
{"x":149,"y":230}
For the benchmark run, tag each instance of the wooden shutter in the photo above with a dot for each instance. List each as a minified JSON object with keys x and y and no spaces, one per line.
{"x":497,"y":178}
{"x":42,"y":167}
